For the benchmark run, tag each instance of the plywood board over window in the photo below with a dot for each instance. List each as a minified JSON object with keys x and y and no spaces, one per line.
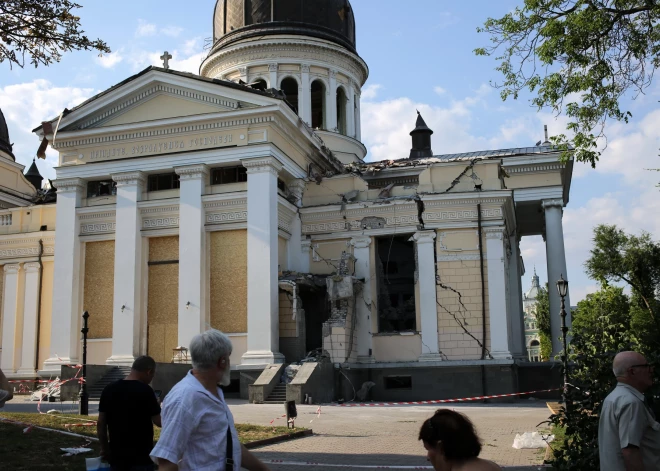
{"x":163,"y":298}
{"x":99,"y":287}
{"x":229,"y":281}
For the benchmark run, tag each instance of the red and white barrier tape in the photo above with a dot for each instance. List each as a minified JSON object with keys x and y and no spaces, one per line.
{"x":443,"y":401}
{"x":351,"y":466}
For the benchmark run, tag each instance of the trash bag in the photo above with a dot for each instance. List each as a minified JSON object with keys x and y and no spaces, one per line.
{"x":97,"y":464}
{"x":532,"y":440}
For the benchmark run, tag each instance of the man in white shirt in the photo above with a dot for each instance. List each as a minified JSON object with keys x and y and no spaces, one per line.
{"x":198,"y":428}
{"x":628,"y":434}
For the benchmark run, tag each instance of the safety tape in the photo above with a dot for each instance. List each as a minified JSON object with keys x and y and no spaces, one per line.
{"x":351,"y":466}
{"x":442,"y":401}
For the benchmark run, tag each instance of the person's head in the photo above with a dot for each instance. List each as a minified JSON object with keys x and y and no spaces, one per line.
{"x":210,"y":353}
{"x":448,"y":437}
{"x":632,"y":368}
{"x":144,"y":369}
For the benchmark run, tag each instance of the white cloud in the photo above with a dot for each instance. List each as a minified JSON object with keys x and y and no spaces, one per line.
{"x":370,"y":92}
{"x":439,"y":90}
{"x":172,"y":31}
{"x":108,"y":61}
{"x":26,"y":105}
{"x":145,"y":29}
{"x":187,"y":57}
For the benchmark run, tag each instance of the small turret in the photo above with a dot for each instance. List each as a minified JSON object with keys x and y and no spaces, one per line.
{"x":33,"y":175}
{"x":421,"y":140}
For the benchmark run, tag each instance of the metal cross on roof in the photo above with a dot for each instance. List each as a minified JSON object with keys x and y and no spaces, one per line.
{"x":166,"y":59}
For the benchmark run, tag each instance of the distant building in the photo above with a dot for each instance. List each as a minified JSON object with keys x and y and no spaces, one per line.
{"x":532,"y":339}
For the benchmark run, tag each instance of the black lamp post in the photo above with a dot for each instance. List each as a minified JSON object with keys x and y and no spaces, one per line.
{"x":562,"y":288}
{"x":84,"y":397}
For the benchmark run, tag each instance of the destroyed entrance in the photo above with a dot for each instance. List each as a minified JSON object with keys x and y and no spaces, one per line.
{"x":395,"y":272}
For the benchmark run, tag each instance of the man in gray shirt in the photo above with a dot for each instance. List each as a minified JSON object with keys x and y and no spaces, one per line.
{"x":628,"y":434}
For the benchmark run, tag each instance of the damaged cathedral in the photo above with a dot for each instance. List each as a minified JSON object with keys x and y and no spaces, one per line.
{"x":240,"y":199}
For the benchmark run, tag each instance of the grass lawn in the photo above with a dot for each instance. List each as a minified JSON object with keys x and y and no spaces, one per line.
{"x":40,"y":449}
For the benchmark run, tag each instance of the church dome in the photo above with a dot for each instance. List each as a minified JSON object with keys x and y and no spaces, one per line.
{"x":5,"y":143}
{"x":331,"y":20}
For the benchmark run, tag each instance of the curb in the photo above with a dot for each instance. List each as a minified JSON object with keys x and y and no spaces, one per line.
{"x":279,"y":439}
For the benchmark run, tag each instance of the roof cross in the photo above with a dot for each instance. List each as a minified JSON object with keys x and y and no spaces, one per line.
{"x":166,"y":59}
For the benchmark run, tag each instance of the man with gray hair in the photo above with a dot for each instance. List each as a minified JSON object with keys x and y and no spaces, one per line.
{"x":198,"y":427}
{"x":628,"y":434}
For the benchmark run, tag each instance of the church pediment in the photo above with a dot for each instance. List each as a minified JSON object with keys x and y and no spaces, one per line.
{"x":155,"y":96}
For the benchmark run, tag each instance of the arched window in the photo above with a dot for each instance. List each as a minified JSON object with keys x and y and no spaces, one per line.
{"x":290,"y":88}
{"x":341,"y":110}
{"x":534,"y":343}
{"x":318,"y":104}
{"x":260,"y":84}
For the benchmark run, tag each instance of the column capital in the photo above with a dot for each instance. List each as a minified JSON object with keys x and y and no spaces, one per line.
{"x":361,"y":242}
{"x":192,"y":172}
{"x":32,"y":267}
{"x":242,"y":70}
{"x":262,"y":165}
{"x":129,"y":178}
{"x":69,"y":185}
{"x":424,"y":237}
{"x":12,"y":268}
{"x":556,"y":203}
{"x":497,"y":233}
{"x":333,"y":73}
{"x":306,"y":246}
{"x":304,"y":68}
{"x":273,"y":67}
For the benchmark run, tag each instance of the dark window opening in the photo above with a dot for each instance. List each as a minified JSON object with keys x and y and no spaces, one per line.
{"x":318,"y":105}
{"x":101,"y":188}
{"x":166,"y":181}
{"x":341,"y":111}
{"x":534,"y":343}
{"x":398,"y":382}
{"x":282,"y":186}
{"x":260,"y":84}
{"x":225,"y":175}
{"x":290,"y":89}
{"x":395,"y":264}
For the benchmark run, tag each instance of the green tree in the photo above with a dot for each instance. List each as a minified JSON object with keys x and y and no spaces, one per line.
{"x":635,"y":260}
{"x":601,"y":328}
{"x":41,"y":30}
{"x":543,"y":322}
{"x":577,"y":57}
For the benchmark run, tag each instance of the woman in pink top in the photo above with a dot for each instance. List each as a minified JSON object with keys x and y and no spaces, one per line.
{"x":452,"y":443}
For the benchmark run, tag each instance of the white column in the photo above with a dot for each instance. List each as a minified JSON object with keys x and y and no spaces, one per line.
{"x":243,"y":74}
{"x":428,"y":305}
{"x":263,"y":307}
{"x":358,"y":119}
{"x":516,"y":345}
{"x":331,"y":103}
{"x":350,"y":110}
{"x":363,"y":271}
{"x":305,"y":95}
{"x":519,"y":289}
{"x":497,"y":293}
{"x":272,"y":71}
{"x":66,"y":317}
{"x":192,"y":253}
{"x":127,"y":307}
{"x":556,"y":259}
{"x":306,"y":248}
{"x":11,"y":336}
{"x":30,"y":318}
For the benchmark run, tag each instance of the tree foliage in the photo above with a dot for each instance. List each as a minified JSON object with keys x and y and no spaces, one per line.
{"x":577,"y":57}
{"x":543,"y":322}
{"x":41,"y":30}
{"x":604,"y":324}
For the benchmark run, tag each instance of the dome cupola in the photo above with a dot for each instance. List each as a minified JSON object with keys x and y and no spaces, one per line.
{"x":332,"y":20}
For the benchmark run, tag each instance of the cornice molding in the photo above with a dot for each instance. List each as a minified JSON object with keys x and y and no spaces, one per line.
{"x":69,"y":185}
{"x":361,"y":242}
{"x":424,"y":237}
{"x":129,"y":178}
{"x":192,"y":172}
{"x":12,"y":269}
{"x":263,"y":165}
{"x":32,"y":267}
{"x":554,"y":203}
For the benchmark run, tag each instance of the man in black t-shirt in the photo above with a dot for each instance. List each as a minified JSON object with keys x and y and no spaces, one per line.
{"x":127,"y":410}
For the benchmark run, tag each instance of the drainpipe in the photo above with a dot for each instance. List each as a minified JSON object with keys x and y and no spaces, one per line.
{"x":483,"y":300}
{"x":41,"y":281}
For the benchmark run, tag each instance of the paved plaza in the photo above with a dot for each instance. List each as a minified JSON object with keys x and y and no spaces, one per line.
{"x":387,"y":436}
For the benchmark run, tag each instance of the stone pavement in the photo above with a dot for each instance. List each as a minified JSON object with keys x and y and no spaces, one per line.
{"x":387,"y":436}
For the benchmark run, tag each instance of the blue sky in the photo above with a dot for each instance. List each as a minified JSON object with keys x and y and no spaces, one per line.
{"x":420,"y":57}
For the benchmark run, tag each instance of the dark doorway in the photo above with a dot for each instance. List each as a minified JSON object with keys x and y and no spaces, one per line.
{"x":318,"y":104}
{"x":395,"y":264}
{"x":290,"y":89}
{"x":315,"y":304}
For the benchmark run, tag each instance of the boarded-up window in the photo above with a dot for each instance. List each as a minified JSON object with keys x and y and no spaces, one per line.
{"x":99,"y":287}
{"x":229,"y":281}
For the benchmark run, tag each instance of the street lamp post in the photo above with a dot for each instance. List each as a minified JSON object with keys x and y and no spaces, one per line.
{"x":84,"y":397}
{"x":562,"y":288}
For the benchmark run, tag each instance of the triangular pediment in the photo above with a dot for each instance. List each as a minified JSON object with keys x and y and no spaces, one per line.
{"x":155,"y":96}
